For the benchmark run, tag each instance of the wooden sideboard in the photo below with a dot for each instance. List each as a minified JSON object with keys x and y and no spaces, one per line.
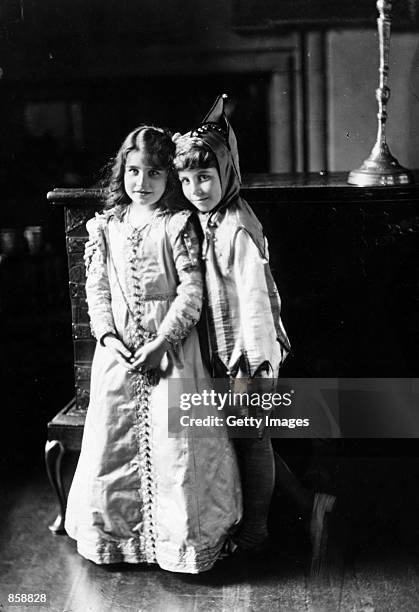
{"x":346,"y":261}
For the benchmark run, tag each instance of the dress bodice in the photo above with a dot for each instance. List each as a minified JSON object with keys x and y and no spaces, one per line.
{"x":144,"y":281}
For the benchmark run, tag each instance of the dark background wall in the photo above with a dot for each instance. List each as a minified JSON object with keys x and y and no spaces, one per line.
{"x":76,"y":75}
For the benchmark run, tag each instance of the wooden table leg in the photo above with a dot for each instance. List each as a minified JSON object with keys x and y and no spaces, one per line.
{"x":54,"y":451}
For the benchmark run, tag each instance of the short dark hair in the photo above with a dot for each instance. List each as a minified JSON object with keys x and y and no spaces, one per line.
{"x":197,"y":155}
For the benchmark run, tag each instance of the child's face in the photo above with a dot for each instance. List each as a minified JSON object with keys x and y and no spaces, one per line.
{"x":202,"y":187}
{"x":143,"y":183}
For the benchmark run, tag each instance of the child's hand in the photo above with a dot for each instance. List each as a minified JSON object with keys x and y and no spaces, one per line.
{"x":119,"y":351}
{"x":149,"y":356}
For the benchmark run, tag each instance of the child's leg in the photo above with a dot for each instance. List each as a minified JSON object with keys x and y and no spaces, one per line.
{"x":288,"y":483}
{"x":257,"y":470}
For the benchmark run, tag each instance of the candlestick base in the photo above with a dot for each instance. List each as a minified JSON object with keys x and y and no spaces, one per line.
{"x":380,"y":169}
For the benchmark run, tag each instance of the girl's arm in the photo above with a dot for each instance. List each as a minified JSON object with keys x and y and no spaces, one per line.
{"x":98,"y":293}
{"x":97,"y":281}
{"x":185,"y":311}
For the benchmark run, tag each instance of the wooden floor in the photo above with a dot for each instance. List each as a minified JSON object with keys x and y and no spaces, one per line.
{"x":372,"y":563}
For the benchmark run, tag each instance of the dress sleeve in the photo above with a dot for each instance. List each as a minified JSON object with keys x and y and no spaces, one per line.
{"x":185,"y":311}
{"x":265,"y":348}
{"x":97,"y":281}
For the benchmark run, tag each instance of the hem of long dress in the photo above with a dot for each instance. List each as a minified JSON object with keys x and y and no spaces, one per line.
{"x":191,"y":561}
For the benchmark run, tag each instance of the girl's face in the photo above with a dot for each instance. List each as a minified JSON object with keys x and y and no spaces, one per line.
{"x":143,"y":183}
{"x":202,"y":187}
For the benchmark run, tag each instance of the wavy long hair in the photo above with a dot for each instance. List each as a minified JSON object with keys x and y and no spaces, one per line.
{"x":157,"y":145}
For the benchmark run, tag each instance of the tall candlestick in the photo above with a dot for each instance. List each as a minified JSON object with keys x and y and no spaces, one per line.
{"x":381,"y":168}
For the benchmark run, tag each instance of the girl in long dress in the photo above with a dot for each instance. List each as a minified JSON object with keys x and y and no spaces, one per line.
{"x":138,"y":494}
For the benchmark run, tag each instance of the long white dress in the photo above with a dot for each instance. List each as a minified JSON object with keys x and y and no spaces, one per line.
{"x":138,"y":494}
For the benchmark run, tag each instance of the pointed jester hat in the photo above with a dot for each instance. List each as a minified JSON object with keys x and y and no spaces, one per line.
{"x":217,"y":117}
{"x":217,"y":133}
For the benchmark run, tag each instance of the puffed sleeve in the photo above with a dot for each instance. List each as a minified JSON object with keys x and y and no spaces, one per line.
{"x":185,"y":311}
{"x":263,"y":337}
{"x":97,"y":281}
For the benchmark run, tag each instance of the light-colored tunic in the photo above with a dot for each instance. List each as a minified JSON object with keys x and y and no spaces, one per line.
{"x":244,"y":305}
{"x":139,"y":495}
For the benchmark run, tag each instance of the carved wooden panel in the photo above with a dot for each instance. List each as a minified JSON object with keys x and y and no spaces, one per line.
{"x":83,"y":341}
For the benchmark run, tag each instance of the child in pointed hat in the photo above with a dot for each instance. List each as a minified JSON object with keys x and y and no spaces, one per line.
{"x":247,"y":339}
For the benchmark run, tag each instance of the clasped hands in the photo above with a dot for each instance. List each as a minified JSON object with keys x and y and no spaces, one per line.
{"x":147,"y":357}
